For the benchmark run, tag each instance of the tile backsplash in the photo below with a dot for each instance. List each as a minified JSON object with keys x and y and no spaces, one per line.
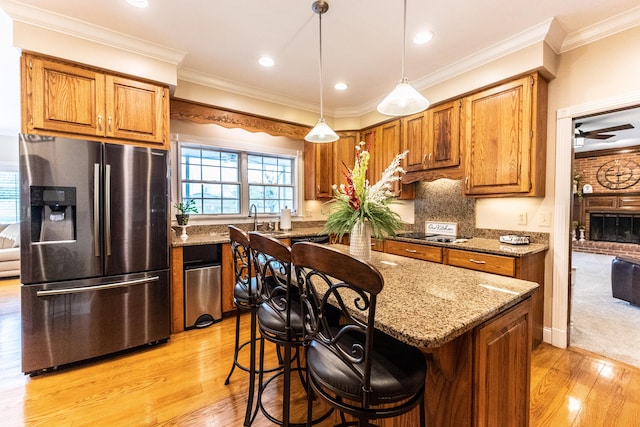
{"x":442,"y":200}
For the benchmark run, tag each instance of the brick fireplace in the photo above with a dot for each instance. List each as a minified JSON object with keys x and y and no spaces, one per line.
{"x":610,"y":214}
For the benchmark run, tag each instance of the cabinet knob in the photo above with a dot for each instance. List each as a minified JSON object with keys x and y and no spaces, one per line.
{"x":109,"y":124}
{"x":100,"y":122}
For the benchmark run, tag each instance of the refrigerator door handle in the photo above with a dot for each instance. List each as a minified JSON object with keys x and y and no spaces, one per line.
{"x":96,"y":208}
{"x":107,"y":208}
{"x":125,"y":284}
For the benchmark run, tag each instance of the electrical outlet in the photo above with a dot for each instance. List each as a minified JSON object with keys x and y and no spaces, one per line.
{"x":522,"y":218}
{"x":544,"y":219}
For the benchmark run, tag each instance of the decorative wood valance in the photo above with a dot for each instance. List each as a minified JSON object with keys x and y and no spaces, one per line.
{"x":205,"y":114}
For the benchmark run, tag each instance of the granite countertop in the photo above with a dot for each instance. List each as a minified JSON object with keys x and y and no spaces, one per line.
{"x":489,"y":246}
{"x":223,"y":237}
{"x":427,"y":304}
{"x":476,"y":244}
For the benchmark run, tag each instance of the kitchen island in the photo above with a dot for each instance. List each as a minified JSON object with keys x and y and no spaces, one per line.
{"x":475,"y":329}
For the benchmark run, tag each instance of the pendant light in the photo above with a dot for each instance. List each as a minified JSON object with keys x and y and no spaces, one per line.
{"x":321,"y":132}
{"x":404,"y":99}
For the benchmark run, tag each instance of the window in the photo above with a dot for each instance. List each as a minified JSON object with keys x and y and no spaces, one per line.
{"x":270,"y":183}
{"x":211,"y":178}
{"x":226,"y":182}
{"x":9,"y":193}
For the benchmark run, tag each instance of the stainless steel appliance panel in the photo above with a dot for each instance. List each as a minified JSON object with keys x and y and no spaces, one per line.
{"x":50,"y":168}
{"x":202,"y":296}
{"x":64,"y":322}
{"x":136,"y":209}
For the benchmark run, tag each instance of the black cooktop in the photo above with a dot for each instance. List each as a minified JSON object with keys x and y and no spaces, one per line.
{"x":413,"y":235}
{"x":428,"y":237}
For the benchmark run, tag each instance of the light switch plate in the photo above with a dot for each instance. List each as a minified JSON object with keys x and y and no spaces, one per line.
{"x":522,"y":218}
{"x":544,"y":219}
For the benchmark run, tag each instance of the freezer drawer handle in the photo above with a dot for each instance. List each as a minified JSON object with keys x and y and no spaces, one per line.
{"x":48,"y":292}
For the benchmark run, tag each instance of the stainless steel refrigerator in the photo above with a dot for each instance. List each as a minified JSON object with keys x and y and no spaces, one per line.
{"x":94,"y":264}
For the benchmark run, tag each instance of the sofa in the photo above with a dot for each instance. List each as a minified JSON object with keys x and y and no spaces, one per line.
{"x":625,"y":279}
{"x":10,"y":250}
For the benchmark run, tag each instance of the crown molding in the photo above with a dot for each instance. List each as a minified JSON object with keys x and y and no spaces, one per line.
{"x":602,"y":29}
{"x":513,"y":44}
{"x":62,"y":24}
{"x":215,"y":82}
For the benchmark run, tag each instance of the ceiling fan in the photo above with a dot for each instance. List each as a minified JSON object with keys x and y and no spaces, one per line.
{"x":600,"y":133}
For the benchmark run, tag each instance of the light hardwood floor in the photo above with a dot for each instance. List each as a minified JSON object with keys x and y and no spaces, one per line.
{"x":181,"y":383}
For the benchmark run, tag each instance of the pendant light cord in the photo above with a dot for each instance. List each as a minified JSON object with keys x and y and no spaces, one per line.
{"x":320,"y":38}
{"x":404,"y":36}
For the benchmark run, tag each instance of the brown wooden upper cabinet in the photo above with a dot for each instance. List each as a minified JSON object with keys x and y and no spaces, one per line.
{"x":504,"y":136}
{"x":344,"y":153}
{"x":318,"y":165}
{"x":66,"y":99}
{"x":384,"y":142}
{"x":433,"y":137}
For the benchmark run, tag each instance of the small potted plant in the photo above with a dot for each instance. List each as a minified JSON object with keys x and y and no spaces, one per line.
{"x":184,"y":208}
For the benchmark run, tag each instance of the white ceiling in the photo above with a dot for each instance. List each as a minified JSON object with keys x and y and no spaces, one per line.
{"x":220,"y":41}
{"x":620,"y":139}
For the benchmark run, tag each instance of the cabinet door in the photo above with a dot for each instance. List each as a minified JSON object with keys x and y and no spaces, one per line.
{"x":443,"y":141}
{"x":498,"y":139}
{"x":414,"y":134}
{"x":135,"y":110}
{"x":344,"y":152}
{"x":318,"y":164}
{"x":387,"y":147}
{"x":502,"y":369}
{"x":63,"y":98}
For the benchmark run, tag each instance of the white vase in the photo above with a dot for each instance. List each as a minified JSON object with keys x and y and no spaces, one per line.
{"x":360,"y":241}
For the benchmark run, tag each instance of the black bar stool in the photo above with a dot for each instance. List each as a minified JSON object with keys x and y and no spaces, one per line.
{"x":279,"y":318}
{"x":245,"y":296}
{"x":352,"y":366}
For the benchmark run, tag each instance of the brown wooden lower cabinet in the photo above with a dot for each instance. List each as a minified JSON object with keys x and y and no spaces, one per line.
{"x":227,"y":279}
{"x":481,"y":378}
{"x":528,"y":267}
{"x":412,"y":250}
{"x":502,"y":360}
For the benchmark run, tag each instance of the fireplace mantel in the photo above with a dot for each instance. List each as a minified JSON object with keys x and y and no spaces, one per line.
{"x":604,"y":202}
{"x":609,"y":203}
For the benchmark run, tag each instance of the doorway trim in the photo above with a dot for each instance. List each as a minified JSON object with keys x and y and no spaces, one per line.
{"x":563,"y":199}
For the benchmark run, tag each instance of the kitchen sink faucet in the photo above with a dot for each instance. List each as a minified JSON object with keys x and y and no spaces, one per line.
{"x":255,"y":216}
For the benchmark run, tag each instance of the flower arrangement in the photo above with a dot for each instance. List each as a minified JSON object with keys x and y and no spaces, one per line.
{"x":358,"y":202}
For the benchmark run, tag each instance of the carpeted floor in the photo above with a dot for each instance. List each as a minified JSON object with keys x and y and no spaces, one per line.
{"x":599,"y":322}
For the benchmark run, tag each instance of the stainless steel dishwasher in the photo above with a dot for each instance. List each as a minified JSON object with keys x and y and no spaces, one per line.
{"x":202,"y":285}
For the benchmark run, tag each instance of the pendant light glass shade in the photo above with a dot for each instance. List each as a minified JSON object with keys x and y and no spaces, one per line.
{"x":321,"y":132}
{"x":404,"y":99}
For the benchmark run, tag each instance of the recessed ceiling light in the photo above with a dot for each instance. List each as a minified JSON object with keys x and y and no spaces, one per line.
{"x":341,"y":86}
{"x":138,"y":3}
{"x":423,"y":37}
{"x":266,"y":61}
